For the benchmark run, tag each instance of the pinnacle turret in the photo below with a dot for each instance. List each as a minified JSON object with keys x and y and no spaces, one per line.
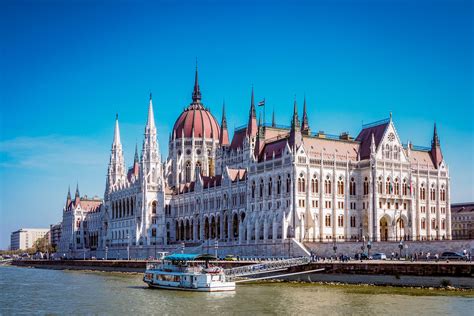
{"x":252,"y":121}
{"x":196,"y":91}
{"x":305,"y":124}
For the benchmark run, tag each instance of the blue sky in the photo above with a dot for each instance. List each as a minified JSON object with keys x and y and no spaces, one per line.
{"x":66,"y":68}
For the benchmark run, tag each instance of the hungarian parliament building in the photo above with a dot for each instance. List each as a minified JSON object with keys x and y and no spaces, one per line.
{"x":270,"y":184}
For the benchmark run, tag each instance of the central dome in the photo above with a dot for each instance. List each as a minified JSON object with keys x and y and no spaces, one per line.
{"x":195,"y":118}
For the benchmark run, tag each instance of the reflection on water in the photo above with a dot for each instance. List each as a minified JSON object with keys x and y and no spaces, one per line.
{"x":49,"y":291}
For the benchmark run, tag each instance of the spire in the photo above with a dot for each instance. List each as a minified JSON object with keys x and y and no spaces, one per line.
{"x":295,"y":131}
{"x":252,"y":122}
{"x":252,"y":105}
{"x":116,"y":162}
{"x":224,"y":136}
{"x":135,"y":159}
{"x":196,"y":91}
{"x":77,"y":190}
{"x":305,"y":125}
{"x":150,"y":123}
{"x":436,"y":153}
{"x":435,"y":140}
{"x":116,"y":131}
{"x":273,"y":119}
{"x":295,"y":122}
{"x":69,"y":193}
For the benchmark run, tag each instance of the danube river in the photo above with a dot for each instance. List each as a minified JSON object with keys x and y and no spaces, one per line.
{"x":37,"y":291}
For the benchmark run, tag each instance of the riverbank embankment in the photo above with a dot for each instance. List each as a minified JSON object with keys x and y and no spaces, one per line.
{"x":396,"y":273}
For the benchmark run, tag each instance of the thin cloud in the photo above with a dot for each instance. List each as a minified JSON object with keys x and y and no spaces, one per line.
{"x":51,"y":151}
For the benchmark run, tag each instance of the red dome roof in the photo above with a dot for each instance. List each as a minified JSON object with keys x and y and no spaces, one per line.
{"x":198,"y":118}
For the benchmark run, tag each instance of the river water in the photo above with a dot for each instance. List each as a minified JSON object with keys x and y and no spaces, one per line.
{"x":38,"y":291}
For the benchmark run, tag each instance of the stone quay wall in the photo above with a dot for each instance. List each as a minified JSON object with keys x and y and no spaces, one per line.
{"x":409,"y":247}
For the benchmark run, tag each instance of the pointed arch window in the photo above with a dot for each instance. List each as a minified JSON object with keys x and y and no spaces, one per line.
{"x":327,"y":185}
{"x":187,"y":173}
{"x":366,"y":186}
{"x":314,"y":184}
{"x":404,"y":187}
{"x":253,"y":189}
{"x":379,"y":185}
{"x":279,"y":185}
{"x":270,"y":186}
{"x":422,"y":192}
{"x":397,"y":187}
{"x":340,"y":186}
{"x":352,"y":187}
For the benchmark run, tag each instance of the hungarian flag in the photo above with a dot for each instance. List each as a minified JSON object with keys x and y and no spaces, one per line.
{"x":261,"y":103}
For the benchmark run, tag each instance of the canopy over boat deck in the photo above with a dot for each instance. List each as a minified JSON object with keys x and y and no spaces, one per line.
{"x":189,"y":257}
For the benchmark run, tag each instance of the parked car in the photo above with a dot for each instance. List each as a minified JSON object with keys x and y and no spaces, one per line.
{"x":230,"y":258}
{"x":361,"y":256}
{"x":379,"y":256}
{"x":448,"y":255}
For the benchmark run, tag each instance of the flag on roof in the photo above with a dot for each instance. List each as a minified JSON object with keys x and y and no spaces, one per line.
{"x":261,"y":103}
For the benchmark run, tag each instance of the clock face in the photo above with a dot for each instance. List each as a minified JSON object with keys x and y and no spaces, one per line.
{"x":391,"y":137}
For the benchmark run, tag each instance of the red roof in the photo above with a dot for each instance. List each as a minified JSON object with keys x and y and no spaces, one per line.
{"x":199,"y":119}
{"x":276,"y":147}
{"x":365,"y":138}
{"x":238,"y":139}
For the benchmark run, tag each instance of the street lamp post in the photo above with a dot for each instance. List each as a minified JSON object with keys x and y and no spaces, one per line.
{"x":216,"y":246}
{"x":369,"y":245}
{"x":106,"y":251}
{"x":400,"y":245}
{"x":128,"y":247}
{"x":362,"y":247}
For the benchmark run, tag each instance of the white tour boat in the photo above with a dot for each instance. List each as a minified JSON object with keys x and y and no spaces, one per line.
{"x":186,"y":272}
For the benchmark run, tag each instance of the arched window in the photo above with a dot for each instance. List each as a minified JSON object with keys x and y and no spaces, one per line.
{"x":288,"y":183}
{"x":443,"y":224}
{"x":253,"y":189}
{"x":379,"y":185}
{"x":301,"y":184}
{"x":433,"y":224}
{"x":187,"y":174}
{"x":198,"y":167}
{"x":261,"y":188}
{"x":442,"y":194}
{"x":328,"y":220}
{"x":388,"y":186}
{"x":327,"y":185}
{"x":279,"y":185}
{"x":422,"y":192}
{"x":423,"y":223}
{"x":387,"y":151}
{"x":395,"y":152}
{"x":314,"y":184}
{"x":340,"y":186}
{"x":397,"y":187}
{"x":366,"y":186}
{"x":340,"y":221}
{"x":404,"y":187}
{"x":153,"y":207}
{"x":352,"y":187}
{"x":270,"y":185}
{"x":432,"y":193}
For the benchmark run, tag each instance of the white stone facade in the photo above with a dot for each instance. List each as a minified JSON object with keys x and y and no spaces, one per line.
{"x":270,"y":184}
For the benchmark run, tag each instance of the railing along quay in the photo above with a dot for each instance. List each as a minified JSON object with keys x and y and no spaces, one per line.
{"x":264,"y":267}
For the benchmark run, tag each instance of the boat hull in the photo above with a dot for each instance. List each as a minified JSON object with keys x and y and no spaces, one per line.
{"x":220,"y":288}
